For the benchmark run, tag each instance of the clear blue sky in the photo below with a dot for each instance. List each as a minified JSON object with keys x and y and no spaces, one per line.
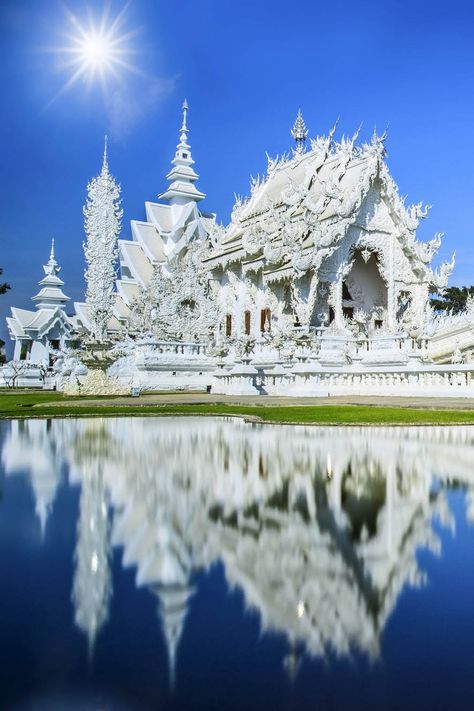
{"x":245,"y":68}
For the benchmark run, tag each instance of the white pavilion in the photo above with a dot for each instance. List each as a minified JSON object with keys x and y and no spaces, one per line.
{"x":49,"y":328}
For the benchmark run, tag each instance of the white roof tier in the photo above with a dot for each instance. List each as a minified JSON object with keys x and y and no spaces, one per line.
{"x":135,"y":259}
{"x":128,"y":290}
{"x":14,"y":326}
{"x":23,"y":316}
{"x":121,"y":310}
{"x":149,"y":238}
{"x":160,"y":215}
{"x":51,"y":294}
{"x":82,"y":311}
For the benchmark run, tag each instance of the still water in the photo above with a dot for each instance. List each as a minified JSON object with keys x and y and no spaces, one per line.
{"x":198,"y":563}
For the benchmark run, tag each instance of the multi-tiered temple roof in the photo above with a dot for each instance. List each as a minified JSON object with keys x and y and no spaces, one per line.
{"x":50,"y":317}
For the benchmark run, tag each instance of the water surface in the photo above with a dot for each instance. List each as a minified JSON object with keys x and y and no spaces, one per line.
{"x":199,"y":563}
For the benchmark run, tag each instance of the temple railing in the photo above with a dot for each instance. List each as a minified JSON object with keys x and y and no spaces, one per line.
{"x":313,"y":379}
{"x":179,"y":348}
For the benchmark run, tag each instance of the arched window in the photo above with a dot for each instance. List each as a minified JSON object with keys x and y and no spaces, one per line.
{"x":265,"y":320}
{"x":247,"y":322}
{"x":228,"y":325}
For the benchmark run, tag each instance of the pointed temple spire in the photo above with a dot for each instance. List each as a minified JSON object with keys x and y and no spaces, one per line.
{"x":105,"y":164}
{"x":299,"y":132}
{"x":51,"y":293}
{"x":52,"y":268}
{"x":182,"y":175}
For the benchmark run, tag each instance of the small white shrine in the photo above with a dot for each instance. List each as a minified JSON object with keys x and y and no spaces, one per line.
{"x":39,"y":333}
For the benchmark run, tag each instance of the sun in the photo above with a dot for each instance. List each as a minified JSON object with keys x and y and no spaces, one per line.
{"x":97,"y":49}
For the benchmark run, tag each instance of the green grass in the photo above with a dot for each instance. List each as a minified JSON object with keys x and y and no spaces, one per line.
{"x":35,"y":404}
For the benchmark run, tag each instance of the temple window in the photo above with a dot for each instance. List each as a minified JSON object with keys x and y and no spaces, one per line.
{"x":25,"y":349}
{"x":348,"y":311}
{"x":378,"y":323}
{"x":265,"y":320}
{"x":331,"y":314}
{"x":228,"y":325}
{"x":247,"y":322}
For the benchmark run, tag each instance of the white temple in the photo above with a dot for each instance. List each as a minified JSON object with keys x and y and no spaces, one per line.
{"x":37,"y":333}
{"x":318,"y":285}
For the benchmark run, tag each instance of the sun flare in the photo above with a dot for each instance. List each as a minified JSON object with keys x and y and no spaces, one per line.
{"x":97,"y":49}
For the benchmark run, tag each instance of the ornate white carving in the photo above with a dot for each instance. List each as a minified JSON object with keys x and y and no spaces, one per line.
{"x":102,"y":224}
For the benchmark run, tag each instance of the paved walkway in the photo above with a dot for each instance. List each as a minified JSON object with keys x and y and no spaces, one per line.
{"x":455,"y":403}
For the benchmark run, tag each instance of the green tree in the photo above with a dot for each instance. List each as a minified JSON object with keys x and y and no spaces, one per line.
{"x":3,"y":289}
{"x":453,"y":299}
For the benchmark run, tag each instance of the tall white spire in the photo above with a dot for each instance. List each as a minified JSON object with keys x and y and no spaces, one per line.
{"x":299,"y":132}
{"x":182,"y":175}
{"x":102,"y":225}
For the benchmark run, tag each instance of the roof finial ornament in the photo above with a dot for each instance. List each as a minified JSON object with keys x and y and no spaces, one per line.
{"x":299,"y":132}
{"x":185,"y":108}
{"x":52,"y":268}
{"x":105,"y":165}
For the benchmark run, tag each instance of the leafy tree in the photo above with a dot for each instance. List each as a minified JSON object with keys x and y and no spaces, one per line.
{"x":3,"y":289}
{"x":452,"y":299}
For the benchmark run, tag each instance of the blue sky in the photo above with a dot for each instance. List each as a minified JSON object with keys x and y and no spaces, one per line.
{"x":245,"y":68}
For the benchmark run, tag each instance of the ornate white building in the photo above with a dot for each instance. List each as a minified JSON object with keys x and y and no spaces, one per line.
{"x":37,"y":333}
{"x":318,"y":281}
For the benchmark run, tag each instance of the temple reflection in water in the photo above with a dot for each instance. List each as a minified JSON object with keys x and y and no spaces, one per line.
{"x":318,"y":527}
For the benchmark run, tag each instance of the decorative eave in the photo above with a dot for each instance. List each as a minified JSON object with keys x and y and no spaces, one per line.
{"x":45,"y":320}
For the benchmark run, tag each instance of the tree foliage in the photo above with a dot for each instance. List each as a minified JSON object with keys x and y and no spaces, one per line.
{"x":453,"y":299}
{"x":3,"y":287}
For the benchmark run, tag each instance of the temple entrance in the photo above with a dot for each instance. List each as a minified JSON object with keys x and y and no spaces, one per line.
{"x":364,"y":290}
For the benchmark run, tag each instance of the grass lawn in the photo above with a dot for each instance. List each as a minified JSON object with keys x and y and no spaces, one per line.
{"x":35,"y":404}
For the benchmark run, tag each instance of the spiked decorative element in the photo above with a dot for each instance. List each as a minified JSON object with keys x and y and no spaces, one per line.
{"x":102,"y":224}
{"x":105,"y":165}
{"x":299,"y":132}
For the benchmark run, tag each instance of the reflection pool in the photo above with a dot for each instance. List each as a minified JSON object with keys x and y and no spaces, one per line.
{"x":204,"y":563}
